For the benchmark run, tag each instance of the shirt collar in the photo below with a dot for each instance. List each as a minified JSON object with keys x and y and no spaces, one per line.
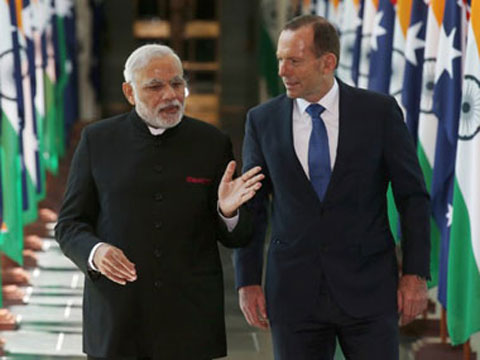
{"x":328,"y":101}
{"x":156,"y":131}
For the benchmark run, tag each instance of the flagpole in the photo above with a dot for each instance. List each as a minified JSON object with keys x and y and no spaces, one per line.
{"x":443,"y":326}
{"x":467,"y":350}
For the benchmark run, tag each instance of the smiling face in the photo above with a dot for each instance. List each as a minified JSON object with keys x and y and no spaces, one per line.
{"x":158,"y":92}
{"x":303,"y":73}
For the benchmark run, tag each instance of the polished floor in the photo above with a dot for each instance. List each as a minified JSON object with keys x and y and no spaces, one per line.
{"x":50,"y":321}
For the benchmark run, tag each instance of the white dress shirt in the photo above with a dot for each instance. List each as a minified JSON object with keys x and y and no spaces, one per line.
{"x":229,"y":222}
{"x":302,"y":125}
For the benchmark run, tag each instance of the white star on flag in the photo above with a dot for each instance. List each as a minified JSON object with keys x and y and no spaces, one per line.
{"x":449,"y":215}
{"x":447,"y":53}
{"x":68,"y":66}
{"x":413,"y":43}
{"x":356,"y":22}
{"x":64,"y":8}
{"x":378,"y":30}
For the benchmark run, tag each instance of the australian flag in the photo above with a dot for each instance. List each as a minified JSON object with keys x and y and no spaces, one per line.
{"x":381,"y":48}
{"x":357,"y":49}
{"x":414,"y":55}
{"x":446,"y":105}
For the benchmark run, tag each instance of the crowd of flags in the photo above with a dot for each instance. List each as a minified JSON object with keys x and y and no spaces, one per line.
{"x":38,"y":105}
{"x":426,"y":53}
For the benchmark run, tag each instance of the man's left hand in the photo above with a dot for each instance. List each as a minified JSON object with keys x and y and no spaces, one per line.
{"x":234,"y":193}
{"x":412,"y":297}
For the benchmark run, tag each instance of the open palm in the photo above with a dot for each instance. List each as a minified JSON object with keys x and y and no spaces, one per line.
{"x":233,"y":193}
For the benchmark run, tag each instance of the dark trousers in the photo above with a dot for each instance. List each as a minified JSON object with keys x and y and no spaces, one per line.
{"x":371,"y":338}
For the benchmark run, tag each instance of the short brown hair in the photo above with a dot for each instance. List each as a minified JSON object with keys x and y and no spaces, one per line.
{"x":325,"y":36}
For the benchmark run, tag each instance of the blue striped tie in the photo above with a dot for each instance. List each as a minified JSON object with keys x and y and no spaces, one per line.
{"x":318,"y":152}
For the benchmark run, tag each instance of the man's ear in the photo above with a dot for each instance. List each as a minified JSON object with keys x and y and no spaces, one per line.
{"x":330,"y":62}
{"x":128,"y":92}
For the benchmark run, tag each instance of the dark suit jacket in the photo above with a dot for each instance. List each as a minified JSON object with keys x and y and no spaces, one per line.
{"x":155,"y":198}
{"x":347,"y":236}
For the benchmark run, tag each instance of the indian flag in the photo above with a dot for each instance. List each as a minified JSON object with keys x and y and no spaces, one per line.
{"x":28,"y":133}
{"x":49,"y":127}
{"x":428,"y":121}
{"x":335,"y":12}
{"x":12,"y":226}
{"x":402,"y":22}
{"x":463,"y":292}
{"x":36,"y":18}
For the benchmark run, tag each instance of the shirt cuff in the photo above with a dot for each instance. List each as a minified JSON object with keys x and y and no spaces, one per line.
{"x":230,"y":223}
{"x":90,"y":257}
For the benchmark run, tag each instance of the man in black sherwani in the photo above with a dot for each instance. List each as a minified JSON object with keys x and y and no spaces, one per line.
{"x":145,"y":205}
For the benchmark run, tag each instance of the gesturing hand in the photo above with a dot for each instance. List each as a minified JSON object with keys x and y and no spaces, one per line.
{"x":234,"y":193}
{"x":112,"y":263}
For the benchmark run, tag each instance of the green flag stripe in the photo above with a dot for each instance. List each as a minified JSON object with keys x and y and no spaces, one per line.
{"x":12,"y":192}
{"x":50,"y":153}
{"x":434,"y":230}
{"x":463,"y":296}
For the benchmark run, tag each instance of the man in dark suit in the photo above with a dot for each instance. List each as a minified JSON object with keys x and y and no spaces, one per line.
{"x":145,"y":205}
{"x":329,"y":152}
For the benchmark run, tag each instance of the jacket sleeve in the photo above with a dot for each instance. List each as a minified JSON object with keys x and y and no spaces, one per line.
{"x":248,"y":261}
{"x":75,"y":230}
{"x":411,"y":197}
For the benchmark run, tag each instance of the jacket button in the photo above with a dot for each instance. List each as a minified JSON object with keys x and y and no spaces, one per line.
{"x":158,"y":197}
{"x":158,"y":168}
{"x":323,"y":248}
{"x":158,"y":225}
{"x":158,"y":283}
{"x":157,"y":253}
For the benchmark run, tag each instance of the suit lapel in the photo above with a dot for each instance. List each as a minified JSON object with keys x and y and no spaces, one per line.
{"x":346,"y":116}
{"x":285,"y":113}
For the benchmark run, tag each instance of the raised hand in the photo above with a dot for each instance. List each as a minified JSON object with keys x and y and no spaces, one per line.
{"x":112,"y":263}
{"x":234,"y":193}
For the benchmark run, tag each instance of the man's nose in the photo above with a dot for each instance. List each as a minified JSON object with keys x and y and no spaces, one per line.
{"x":282,"y":69}
{"x":168,"y":93}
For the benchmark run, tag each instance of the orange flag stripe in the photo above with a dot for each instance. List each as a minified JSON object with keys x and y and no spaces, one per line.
{"x":438,"y":7}
{"x":475,"y":22}
{"x":404,"y":9}
{"x":18,"y":7}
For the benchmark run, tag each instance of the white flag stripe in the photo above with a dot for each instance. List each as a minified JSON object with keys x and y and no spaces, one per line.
{"x":468,"y":165}
{"x":7,"y":85}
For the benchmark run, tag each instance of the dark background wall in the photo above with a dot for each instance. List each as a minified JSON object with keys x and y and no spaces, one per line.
{"x":238,"y":53}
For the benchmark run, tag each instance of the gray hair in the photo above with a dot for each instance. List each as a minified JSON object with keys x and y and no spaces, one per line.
{"x":143,"y":55}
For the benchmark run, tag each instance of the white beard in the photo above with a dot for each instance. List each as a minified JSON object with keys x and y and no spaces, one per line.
{"x":155,"y":118}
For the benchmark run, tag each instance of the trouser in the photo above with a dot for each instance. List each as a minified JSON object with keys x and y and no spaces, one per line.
{"x":369,"y":338}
